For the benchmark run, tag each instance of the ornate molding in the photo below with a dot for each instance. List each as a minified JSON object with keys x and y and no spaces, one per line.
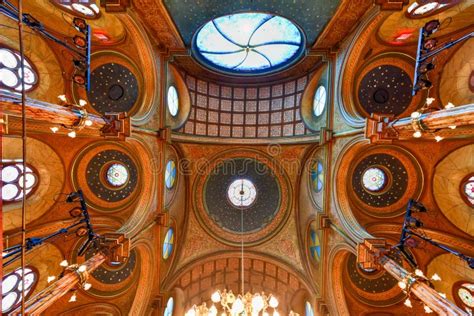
{"x":391,"y":5}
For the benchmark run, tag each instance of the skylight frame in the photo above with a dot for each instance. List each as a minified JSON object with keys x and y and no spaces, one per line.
{"x":300,"y":52}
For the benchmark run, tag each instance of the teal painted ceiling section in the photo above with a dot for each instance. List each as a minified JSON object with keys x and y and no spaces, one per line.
{"x":311,"y":15}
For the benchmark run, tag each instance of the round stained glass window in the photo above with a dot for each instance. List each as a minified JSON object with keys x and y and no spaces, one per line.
{"x":374,"y":179}
{"x":168,"y":244}
{"x":317,"y":176}
{"x":12,"y":181}
{"x":170,"y":174}
{"x":319,"y":101}
{"x":242,"y":193}
{"x":314,"y":245}
{"x":468,"y":190}
{"x":173,"y":101}
{"x":10,"y":71}
{"x":117,"y":175}
{"x":12,"y":287}
{"x":169,"y":307}
{"x":249,"y":43}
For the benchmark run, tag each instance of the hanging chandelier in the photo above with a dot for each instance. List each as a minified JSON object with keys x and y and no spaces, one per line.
{"x":226,"y":303}
{"x":231,"y":305}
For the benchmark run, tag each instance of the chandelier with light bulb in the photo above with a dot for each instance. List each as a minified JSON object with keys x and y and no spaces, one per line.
{"x":231,"y":305}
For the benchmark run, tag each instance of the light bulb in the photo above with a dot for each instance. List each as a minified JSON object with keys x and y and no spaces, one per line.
{"x":265,"y":314}
{"x":435,"y":277}
{"x":73,"y":298}
{"x":87,"y":286}
{"x":213,"y":310}
{"x":419,"y":273}
{"x":428,"y":310}
{"x":63,"y":263}
{"x":442,"y":294}
{"x":191,"y":312}
{"x":216,"y":297}
{"x":62,"y":98}
{"x":275,"y":313}
{"x":82,"y":268}
{"x":51,"y":278}
{"x":257,"y":302}
{"x":438,"y":138}
{"x":429,"y":100}
{"x":54,"y":129}
{"x":452,"y":126}
{"x":71,"y":134}
{"x":238,"y":306}
{"x":417,"y":134}
{"x":449,"y":106}
{"x":415,"y":115}
{"x":82,"y":102}
{"x":402,"y":285}
{"x":273,"y":302}
{"x":88,"y":123}
{"x":408,"y":303}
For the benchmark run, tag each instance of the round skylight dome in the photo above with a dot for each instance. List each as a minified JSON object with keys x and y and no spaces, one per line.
{"x":248,"y":43}
{"x":242,"y":193}
{"x":374,"y":179}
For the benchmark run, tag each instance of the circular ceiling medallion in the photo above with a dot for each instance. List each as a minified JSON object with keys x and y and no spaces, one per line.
{"x":108,"y":176}
{"x":112,"y":175}
{"x":249,"y":43}
{"x":238,"y":190}
{"x":242,"y":193}
{"x":114,"y":88}
{"x":383,"y":178}
{"x":377,"y":288}
{"x":385,"y":89}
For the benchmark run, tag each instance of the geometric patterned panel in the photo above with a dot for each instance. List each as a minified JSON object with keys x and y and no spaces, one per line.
{"x":245,"y":112}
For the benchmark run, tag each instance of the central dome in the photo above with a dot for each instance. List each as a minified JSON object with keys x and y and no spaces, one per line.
{"x":248,"y":43}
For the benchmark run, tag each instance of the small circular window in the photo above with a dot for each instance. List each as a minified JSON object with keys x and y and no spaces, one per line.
{"x":467,"y":190}
{"x":87,"y":10}
{"x":169,"y":307}
{"x":374,"y":179}
{"x":170,"y":174}
{"x":12,"y":287}
{"x":319,"y":101}
{"x":117,"y":175}
{"x":173,"y":101}
{"x":424,"y":8}
{"x":168,"y":244}
{"x":12,"y":181}
{"x":10,"y":71}
{"x":242,"y":193}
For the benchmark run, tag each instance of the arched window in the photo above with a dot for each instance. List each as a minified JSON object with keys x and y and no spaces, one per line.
{"x":12,"y":287}
{"x":12,"y":181}
{"x":86,"y":10}
{"x":424,"y":8}
{"x":173,"y":101}
{"x":10,"y":71}
{"x":168,"y":244}
{"x":319,"y":101}
{"x":169,"y":307}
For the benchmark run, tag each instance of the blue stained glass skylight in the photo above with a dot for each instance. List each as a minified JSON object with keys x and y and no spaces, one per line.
{"x":249,"y":43}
